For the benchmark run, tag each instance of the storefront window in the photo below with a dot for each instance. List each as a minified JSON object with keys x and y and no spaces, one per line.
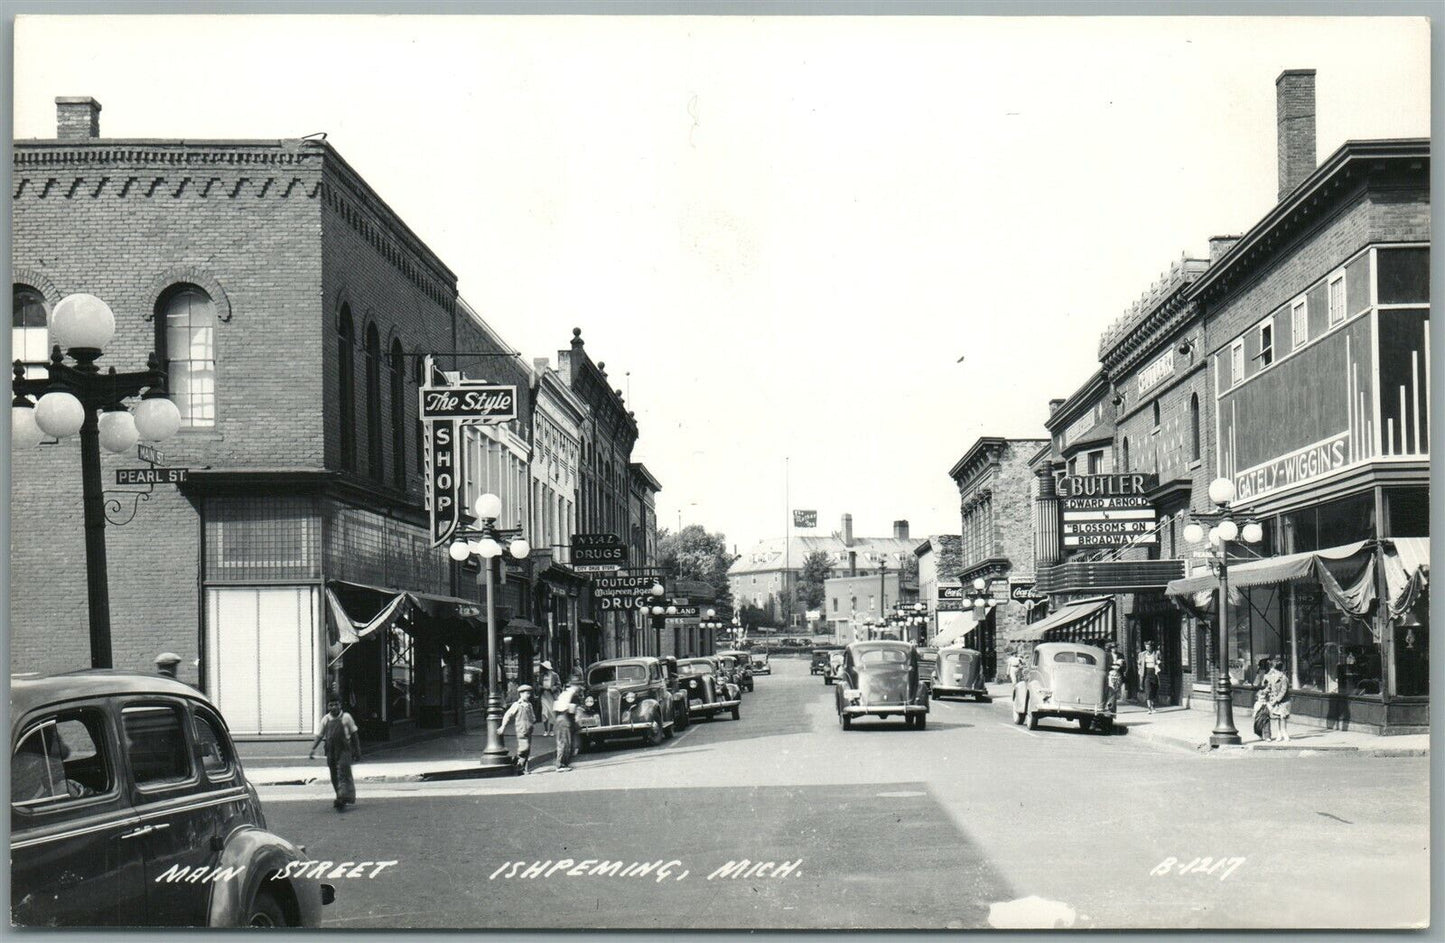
{"x":1256,"y":629}
{"x":1409,"y":511}
{"x":1330,"y":525}
{"x":1337,"y":652}
{"x":1412,"y":652}
{"x":400,"y":664}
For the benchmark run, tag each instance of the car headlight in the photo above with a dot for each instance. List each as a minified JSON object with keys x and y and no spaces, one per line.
{"x":590,"y":702}
{"x":692,"y":684}
{"x":631,"y":697}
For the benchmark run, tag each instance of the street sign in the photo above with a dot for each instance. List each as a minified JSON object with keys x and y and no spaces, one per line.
{"x":149,"y":453}
{"x":598,"y":548}
{"x":475,"y":403}
{"x":684,"y":612}
{"x":597,"y":568}
{"x":442,"y":480}
{"x":150,"y":476}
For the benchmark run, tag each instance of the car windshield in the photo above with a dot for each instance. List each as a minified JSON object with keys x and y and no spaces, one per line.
{"x":726,"y":662}
{"x":882,"y":656}
{"x":694,"y":668}
{"x":605,"y":674}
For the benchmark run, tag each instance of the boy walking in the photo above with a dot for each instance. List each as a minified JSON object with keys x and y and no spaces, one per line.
{"x":343,"y":747}
{"x":566,"y":722}
{"x":524,"y":717}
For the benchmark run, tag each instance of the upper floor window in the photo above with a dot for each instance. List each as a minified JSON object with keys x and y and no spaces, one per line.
{"x":346,"y":367}
{"x":398,"y":413}
{"x":1266,"y":344}
{"x":30,"y":331}
{"x":373,"y":401}
{"x":1299,"y":323}
{"x":1124,"y":454}
{"x":186,"y":336}
{"x":1236,"y":364}
{"x":1096,"y":463}
{"x":1155,"y":404}
{"x":1337,"y":299}
{"x":1194,"y":427}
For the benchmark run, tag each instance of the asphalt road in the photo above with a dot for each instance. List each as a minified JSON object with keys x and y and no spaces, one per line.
{"x":971,"y":823}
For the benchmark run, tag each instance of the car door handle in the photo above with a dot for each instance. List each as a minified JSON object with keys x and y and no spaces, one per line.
{"x":138,"y":832}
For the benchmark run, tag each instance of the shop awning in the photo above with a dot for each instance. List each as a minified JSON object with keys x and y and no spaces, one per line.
{"x":515,"y":627}
{"x":1407,"y":571}
{"x":1269,"y":570}
{"x":1084,"y":619}
{"x":955,"y":633}
{"x":359,"y":610}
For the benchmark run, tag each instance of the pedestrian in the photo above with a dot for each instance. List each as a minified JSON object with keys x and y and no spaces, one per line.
{"x":566,"y":714}
{"x":343,"y":747}
{"x":1261,"y":703}
{"x":167,"y":663}
{"x":524,"y":719}
{"x":1015,"y":666}
{"x":1276,"y":693}
{"x":549,"y":683}
{"x":1116,"y":669}
{"x":1149,"y":673}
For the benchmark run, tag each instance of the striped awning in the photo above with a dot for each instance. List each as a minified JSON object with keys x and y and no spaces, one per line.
{"x":1088,"y":618}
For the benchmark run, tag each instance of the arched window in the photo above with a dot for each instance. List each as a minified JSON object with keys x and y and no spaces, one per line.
{"x":1124,"y":454}
{"x":345,"y":345}
{"x":1156,"y":413}
{"x":29,"y":330}
{"x":186,"y":341}
{"x":373,"y":402}
{"x":398,"y":413}
{"x":1194,"y":427}
{"x":419,"y":375}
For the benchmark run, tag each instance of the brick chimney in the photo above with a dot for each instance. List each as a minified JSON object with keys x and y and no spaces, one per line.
{"x":77,"y":119}
{"x":900,"y":530}
{"x":847,"y":530}
{"x":1295,"y":108}
{"x":1218,"y":245}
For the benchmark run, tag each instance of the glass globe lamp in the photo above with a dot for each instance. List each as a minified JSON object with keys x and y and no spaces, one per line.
{"x":59,"y":413}
{"x":117,"y":430}
{"x":459,"y":550}
{"x":489,"y":507}
{"x":83,"y":321}
{"x":1221,"y":491}
{"x":157,"y":418}
{"x":24,"y":432}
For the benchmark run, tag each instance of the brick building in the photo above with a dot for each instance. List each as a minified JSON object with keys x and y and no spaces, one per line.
{"x":939,"y":562}
{"x":995,"y":489}
{"x":293,"y":306}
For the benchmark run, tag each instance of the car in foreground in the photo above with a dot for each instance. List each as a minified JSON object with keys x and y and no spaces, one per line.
{"x":760,"y":663}
{"x":738,"y":667}
{"x":881,"y":679}
{"x":708,"y":692}
{"x":129,"y":807}
{"x":625,"y":697}
{"x":1067,"y":680}
{"x":960,"y":674}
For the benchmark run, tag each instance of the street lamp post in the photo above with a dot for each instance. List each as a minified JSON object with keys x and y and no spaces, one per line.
{"x":1225,"y":530}
{"x":489,"y":549}
{"x":655,"y":610}
{"x":80,"y":399}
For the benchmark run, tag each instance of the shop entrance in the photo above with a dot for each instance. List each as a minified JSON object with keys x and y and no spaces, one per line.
{"x":1162,"y":628}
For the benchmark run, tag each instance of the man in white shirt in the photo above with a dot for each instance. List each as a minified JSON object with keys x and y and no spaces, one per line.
{"x":565,"y":719}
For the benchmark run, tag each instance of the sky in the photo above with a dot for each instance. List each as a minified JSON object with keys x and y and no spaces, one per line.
{"x":820,"y":255}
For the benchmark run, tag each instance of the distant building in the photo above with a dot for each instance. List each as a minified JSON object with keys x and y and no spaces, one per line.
{"x":939,"y":563}
{"x":768,"y":574}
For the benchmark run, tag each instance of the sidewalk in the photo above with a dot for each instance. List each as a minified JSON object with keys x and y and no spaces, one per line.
{"x":448,"y":757}
{"x":1189,"y":729}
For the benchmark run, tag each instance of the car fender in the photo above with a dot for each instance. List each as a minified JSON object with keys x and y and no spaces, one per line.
{"x":261,"y":854}
{"x":648,"y":711}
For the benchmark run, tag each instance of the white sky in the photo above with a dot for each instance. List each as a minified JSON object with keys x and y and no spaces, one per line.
{"x":787,"y":230}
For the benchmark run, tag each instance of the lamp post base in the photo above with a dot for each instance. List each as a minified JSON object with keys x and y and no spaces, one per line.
{"x":496,"y":761}
{"x":1217,"y":740}
{"x":1225,"y":734}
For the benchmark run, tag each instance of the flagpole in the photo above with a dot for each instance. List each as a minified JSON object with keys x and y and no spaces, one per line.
{"x":787,"y":540}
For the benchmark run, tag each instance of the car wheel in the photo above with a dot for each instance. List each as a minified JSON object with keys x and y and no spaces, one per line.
{"x":266,"y":911}
{"x":737,"y":713}
{"x":920,"y":721}
{"x":1031,"y":717}
{"x":1106,"y":726}
{"x":655,"y":735}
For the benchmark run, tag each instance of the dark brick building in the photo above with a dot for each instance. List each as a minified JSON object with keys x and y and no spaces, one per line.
{"x":293,"y":307}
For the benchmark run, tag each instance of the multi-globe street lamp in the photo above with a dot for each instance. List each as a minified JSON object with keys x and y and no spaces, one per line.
{"x":79,"y":399}
{"x":1225,"y":530}
{"x":482,"y":542}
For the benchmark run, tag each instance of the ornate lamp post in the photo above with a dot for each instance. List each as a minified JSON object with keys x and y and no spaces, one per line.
{"x":1225,"y":530}
{"x":81,"y":399}
{"x":482,"y":542}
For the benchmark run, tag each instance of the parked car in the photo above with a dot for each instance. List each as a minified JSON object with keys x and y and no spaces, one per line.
{"x":960,"y":674}
{"x":1068,"y":680}
{"x":820,"y":662}
{"x":738,"y":666}
{"x":880,"y":679}
{"x":117,"y":780}
{"x":680,"y":717}
{"x":927,"y":664}
{"x":625,"y":697}
{"x":760,"y":663}
{"x":708,"y":692}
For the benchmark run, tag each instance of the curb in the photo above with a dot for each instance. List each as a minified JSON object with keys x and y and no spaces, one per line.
{"x":381,"y":776}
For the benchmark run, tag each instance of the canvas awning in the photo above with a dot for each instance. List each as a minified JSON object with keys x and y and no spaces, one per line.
{"x":955,"y":633}
{"x":515,"y":627}
{"x":357,"y":610}
{"x":1084,"y":619}
{"x":1269,"y":570}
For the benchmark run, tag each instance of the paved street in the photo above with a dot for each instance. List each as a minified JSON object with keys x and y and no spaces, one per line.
{"x":886,"y":827}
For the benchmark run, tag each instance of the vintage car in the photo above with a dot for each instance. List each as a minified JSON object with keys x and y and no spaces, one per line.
{"x":833,"y":670}
{"x":1068,"y":680}
{"x":738,"y":666}
{"x":760,"y":663}
{"x":960,"y":674}
{"x":118,"y":780}
{"x":819,"y":664}
{"x":625,"y":697}
{"x":880,"y":679}
{"x":680,"y":718}
{"x":927,"y":664}
{"x":708,"y":692}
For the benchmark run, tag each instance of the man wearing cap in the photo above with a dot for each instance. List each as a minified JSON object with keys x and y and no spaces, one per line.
{"x":167,"y":663}
{"x":548,"y":685}
{"x":525,"y":719}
